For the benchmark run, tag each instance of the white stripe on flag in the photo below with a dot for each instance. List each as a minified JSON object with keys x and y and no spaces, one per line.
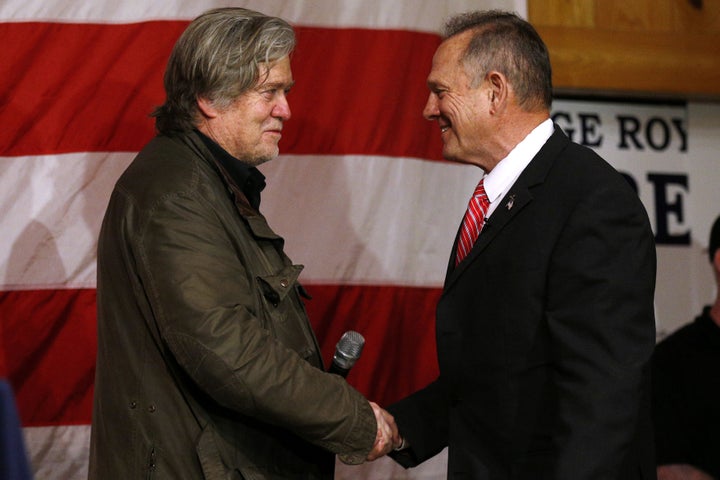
{"x":58,"y":452}
{"x":52,"y":209}
{"x":418,"y":15}
{"x":368,"y":220}
{"x":61,"y":453}
{"x":386,"y":469}
{"x":348,"y":219}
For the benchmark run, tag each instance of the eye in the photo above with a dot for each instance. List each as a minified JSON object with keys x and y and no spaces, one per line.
{"x":438,"y":91}
{"x":272,"y":93}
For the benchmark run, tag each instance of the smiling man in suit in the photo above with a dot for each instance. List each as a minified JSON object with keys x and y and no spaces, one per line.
{"x":545,"y":326}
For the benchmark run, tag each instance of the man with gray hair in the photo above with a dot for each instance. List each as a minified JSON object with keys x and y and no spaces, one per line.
{"x":207,"y":366}
{"x":545,"y":326}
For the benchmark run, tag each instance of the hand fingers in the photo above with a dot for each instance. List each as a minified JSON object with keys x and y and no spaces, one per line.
{"x":396,"y":438}
{"x":387,"y":436}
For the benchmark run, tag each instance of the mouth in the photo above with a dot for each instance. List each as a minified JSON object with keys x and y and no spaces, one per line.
{"x":273,"y":128}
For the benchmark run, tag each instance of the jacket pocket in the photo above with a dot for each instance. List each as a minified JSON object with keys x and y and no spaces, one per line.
{"x":282,"y":312}
{"x":211,"y":460}
{"x":275,"y":288}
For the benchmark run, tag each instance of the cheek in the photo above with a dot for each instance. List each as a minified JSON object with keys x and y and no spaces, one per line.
{"x":469,"y":117}
{"x":454,"y":109}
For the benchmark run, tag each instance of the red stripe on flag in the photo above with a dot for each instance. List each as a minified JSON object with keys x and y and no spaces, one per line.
{"x":50,"y":344}
{"x":398,"y":324}
{"x":3,"y":362}
{"x":81,"y":87}
{"x":362,"y":92}
{"x":88,"y":87}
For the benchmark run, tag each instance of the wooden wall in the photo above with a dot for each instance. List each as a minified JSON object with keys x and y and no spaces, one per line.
{"x":656,"y":48}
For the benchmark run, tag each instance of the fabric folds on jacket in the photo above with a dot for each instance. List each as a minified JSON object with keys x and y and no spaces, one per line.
{"x":207,"y":365}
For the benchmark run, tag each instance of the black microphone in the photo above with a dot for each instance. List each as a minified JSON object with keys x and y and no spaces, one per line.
{"x":347,"y":352}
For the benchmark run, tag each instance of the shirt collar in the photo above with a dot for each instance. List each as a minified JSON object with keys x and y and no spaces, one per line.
{"x":502,"y":177}
{"x":248,"y":179}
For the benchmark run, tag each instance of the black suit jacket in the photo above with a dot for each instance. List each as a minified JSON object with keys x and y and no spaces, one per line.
{"x":544,"y":333}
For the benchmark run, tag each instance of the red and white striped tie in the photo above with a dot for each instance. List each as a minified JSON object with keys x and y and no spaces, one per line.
{"x":473,"y":221}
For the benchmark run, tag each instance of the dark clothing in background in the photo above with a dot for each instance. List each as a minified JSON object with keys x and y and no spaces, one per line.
{"x":686,"y":395}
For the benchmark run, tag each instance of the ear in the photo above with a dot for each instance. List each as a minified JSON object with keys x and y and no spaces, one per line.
{"x":499,"y":89}
{"x":207,"y":107}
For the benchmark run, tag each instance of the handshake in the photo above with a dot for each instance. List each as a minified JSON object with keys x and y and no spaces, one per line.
{"x":387,"y":439}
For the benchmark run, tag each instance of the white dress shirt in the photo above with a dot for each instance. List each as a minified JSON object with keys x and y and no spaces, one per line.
{"x":503,"y":176}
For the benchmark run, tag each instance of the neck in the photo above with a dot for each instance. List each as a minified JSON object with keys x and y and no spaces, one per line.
{"x":515,"y":130}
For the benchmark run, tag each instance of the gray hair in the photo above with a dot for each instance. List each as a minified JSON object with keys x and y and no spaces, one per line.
{"x":218,"y":57}
{"x":505,"y":42}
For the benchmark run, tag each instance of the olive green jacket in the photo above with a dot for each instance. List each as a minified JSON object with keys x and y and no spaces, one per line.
{"x":207,"y":366}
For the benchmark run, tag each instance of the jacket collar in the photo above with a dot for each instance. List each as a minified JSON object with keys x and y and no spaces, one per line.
{"x":255,"y":220}
{"x":248,"y":179}
{"x":517,"y":198}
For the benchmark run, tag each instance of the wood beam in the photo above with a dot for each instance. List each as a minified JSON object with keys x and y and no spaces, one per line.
{"x":639,"y":48}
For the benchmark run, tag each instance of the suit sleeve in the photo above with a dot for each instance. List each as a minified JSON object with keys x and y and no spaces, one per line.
{"x":422,"y":421}
{"x":600,"y":314}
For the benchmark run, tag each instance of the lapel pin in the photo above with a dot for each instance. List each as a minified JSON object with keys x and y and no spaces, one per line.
{"x":510,"y":202}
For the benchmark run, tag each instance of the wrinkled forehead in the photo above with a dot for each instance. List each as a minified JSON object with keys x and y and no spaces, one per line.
{"x":451,"y":51}
{"x":453,"y":47}
{"x":276,"y":73}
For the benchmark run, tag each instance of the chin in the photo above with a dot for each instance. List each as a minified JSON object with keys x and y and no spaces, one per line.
{"x":448,"y":154}
{"x":454,"y":157}
{"x":255,"y":161}
{"x":260,"y":157}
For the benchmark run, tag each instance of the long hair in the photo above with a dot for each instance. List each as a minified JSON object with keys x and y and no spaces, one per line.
{"x":219,"y":57}
{"x":505,"y":42}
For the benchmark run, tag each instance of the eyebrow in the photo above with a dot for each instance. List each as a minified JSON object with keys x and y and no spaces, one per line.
{"x":435,"y":85}
{"x":275,"y":85}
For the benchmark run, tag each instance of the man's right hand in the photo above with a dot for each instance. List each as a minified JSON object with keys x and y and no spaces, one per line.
{"x":388,"y":436}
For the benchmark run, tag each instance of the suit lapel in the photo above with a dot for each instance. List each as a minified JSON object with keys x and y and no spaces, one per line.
{"x":517,"y":198}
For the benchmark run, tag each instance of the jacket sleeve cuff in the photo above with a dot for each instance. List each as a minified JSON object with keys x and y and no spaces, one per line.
{"x":361,"y":438}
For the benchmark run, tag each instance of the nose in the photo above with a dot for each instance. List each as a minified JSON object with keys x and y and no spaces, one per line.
{"x":431,"y":111}
{"x":281,"y":109}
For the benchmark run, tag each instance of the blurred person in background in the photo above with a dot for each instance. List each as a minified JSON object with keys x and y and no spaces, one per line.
{"x":686,"y":391}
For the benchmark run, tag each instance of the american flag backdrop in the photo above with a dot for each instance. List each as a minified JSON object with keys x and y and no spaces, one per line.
{"x":360,"y":191}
